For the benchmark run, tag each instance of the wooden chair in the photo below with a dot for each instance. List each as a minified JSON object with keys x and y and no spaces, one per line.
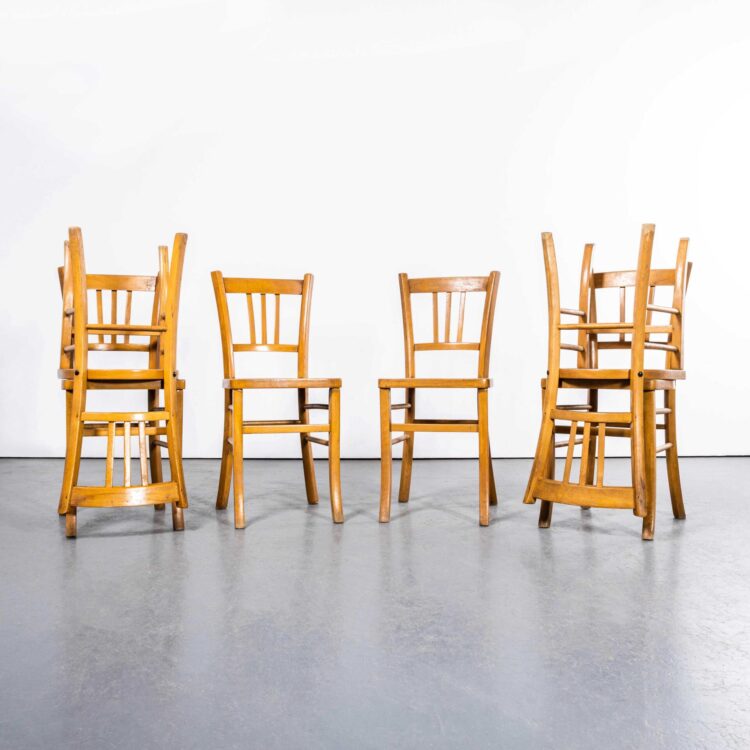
{"x":235,"y":426}
{"x":78,"y":379}
{"x":638,"y":424}
{"x":488,"y":285}
{"x":106,"y":288}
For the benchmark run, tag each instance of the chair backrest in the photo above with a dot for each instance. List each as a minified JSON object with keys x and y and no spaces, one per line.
{"x":75,"y":284}
{"x":587,"y":327}
{"x":106,"y":288}
{"x":442,"y":331}
{"x":75,"y":305}
{"x":672,"y":327}
{"x":261,"y":337}
{"x":172,"y":271}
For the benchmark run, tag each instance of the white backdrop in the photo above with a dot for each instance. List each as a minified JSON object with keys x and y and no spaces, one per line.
{"x":357,"y":139}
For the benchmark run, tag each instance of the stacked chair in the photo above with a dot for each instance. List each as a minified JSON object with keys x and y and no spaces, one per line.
{"x":585,"y":424}
{"x":268,"y":340}
{"x":159,"y":426}
{"x":448,"y":286}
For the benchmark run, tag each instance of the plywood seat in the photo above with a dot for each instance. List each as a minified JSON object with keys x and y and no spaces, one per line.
{"x":105,"y":384}
{"x":117,"y":374}
{"x":434,"y":383}
{"x":137,"y":374}
{"x":579,"y":377}
{"x":247,"y":383}
{"x":596,"y":374}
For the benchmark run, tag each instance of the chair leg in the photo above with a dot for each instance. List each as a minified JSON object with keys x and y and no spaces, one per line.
{"x":308,"y":463}
{"x":545,"y":514}
{"x":225,"y":470}
{"x":591,"y":464}
{"x":73,"y":452}
{"x":484,"y":458}
{"x":649,"y":428}
{"x":237,"y":455}
{"x":175,"y":462}
{"x":407,"y":457}
{"x":638,"y":452}
{"x":539,"y":467}
{"x":493,"y":489}
{"x":673,"y":461}
{"x":385,"y":455}
{"x":68,"y":410}
{"x":70,"y":522}
{"x":545,"y":511}
{"x":180,"y":400}
{"x":176,"y":423}
{"x":178,"y":518}
{"x":334,"y":454}
{"x":175,"y":468}
{"x":154,"y":451}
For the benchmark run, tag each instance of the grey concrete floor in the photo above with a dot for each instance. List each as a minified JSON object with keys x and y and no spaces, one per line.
{"x":428,"y":632}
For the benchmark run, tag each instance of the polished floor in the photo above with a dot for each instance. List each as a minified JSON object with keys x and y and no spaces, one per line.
{"x":429,"y":632}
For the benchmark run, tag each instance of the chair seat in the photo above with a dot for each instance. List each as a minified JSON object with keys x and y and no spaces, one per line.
{"x":599,"y":378}
{"x":151,"y":379}
{"x":435,"y":383}
{"x":243,"y":383}
{"x":144,"y":374}
{"x":599,"y":374}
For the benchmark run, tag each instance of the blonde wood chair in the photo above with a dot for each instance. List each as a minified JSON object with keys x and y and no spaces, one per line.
{"x":78,"y":379}
{"x":106,"y":288}
{"x":236,"y":426}
{"x":587,"y":426}
{"x":448,"y":286}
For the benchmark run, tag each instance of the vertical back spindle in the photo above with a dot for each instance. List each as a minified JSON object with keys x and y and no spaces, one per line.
{"x":143,"y":453}
{"x":622,"y":310}
{"x":600,"y":455}
{"x":263,"y":319}
{"x":128,"y":307}
{"x":109,"y":466}
{"x":113,"y":314}
{"x":251,"y":316}
{"x":126,"y":454}
{"x":277,"y":316}
{"x":585,"y":453}
{"x":435,"y":336}
{"x":100,"y":312}
{"x":448,"y":299}
{"x":461,"y":308}
{"x":571,"y":451}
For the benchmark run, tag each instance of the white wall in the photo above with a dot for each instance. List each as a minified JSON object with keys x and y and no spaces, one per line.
{"x":358,"y":139}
